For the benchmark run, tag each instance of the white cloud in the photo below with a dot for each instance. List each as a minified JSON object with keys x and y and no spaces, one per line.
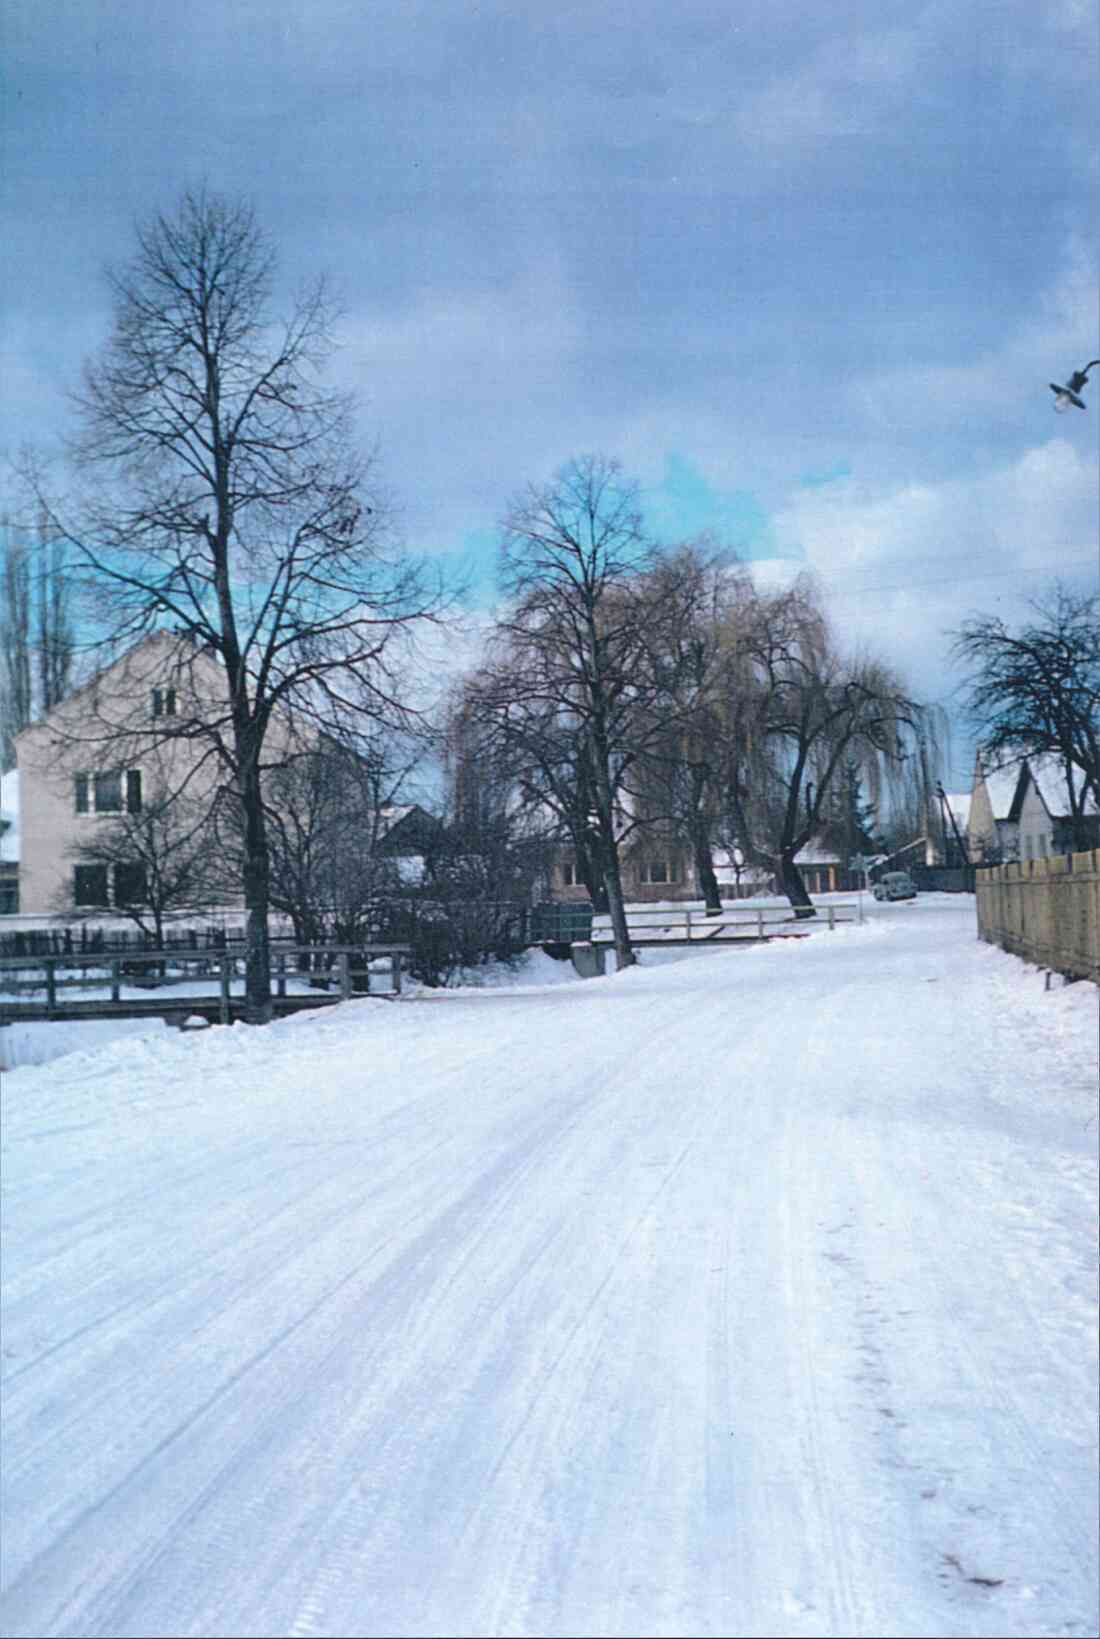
{"x":846,"y":89}
{"x":902,"y":566}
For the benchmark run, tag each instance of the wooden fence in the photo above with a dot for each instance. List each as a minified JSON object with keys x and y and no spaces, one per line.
{"x":1045,"y":910}
{"x":176,"y":982}
{"x":679,"y":926}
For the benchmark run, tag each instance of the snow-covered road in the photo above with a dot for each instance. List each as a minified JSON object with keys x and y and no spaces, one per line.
{"x":752,"y":1293}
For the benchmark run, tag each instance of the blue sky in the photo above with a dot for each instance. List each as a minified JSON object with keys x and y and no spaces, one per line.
{"x":805,"y":270}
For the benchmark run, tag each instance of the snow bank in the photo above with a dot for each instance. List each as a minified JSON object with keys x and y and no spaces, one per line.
{"x":40,"y":1042}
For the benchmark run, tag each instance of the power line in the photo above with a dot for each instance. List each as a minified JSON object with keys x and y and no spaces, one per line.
{"x":940,"y":580}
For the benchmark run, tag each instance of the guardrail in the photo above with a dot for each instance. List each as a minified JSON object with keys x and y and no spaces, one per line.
{"x":683,"y":926}
{"x":316,"y":966}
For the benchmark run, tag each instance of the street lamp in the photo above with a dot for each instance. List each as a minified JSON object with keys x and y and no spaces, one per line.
{"x":1067,"y":395}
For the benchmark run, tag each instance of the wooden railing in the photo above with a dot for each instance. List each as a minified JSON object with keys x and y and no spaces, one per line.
{"x":56,"y":981}
{"x":682,"y":926}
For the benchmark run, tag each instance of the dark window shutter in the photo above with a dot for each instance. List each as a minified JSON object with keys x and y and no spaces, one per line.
{"x":80,"y":784}
{"x":133,"y":791}
{"x":169,"y":702}
{"x":158,"y":702}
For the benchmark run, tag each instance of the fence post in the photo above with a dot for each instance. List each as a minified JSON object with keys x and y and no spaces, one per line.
{"x":396,"y":965}
{"x":280,"y":972}
{"x":760,"y":924}
{"x":116,"y":966}
{"x":51,"y":983}
{"x":687,"y":915}
{"x":832,"y":918}
{"x":223,"y":982}
{"x":345,"y":975}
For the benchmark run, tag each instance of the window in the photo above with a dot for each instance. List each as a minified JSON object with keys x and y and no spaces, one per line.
{"x":111,"y":792}
{"x":90,"y":885}
{"x":659,"y":870}
{"x":164,"y":702}
{"x":108,"y":793}
{"x":9,"y":895}
{"x":130,"y":884}
{"x":569,"y":874}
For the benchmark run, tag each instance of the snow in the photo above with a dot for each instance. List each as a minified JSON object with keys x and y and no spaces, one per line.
{"x":748,"y":1293}
{"x":9,"y":816}
{"x":959,"y":804}
{"x":36,"y":1042}
{"x":1001,"y":785}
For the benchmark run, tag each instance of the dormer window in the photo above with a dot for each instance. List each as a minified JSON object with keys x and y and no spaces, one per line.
{"x":164,"y":702}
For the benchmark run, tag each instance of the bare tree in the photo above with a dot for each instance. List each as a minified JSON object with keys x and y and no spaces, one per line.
{"x":1036,"y":691}
{"x":55,"y":640}
{"x":701,"y":661}
{"x":328,"y":810}
{"x":230,"y":505}
{"x":570,"y":684}
{"x":16,"y":674}
{"x":36,"y":629}
{"x":820,"y":716}
{"x":149,"y":864}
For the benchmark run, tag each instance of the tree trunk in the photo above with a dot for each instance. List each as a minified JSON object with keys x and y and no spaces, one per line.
{"x":257,"y":983}
{"x":704,"y":872}
{"x":624,"y":953}
{"x":589,"y":857}
{"x":791,"y":883}
{"x":609,"y":848}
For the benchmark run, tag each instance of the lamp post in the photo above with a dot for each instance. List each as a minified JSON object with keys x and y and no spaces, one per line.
{"x":1069,"y":394}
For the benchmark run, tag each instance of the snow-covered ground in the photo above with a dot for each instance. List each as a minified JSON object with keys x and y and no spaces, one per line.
{"x":747,"y":1293}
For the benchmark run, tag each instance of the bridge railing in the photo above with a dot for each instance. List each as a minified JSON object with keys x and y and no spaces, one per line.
{"x":55,"y":982}
{"x":680,"y":925}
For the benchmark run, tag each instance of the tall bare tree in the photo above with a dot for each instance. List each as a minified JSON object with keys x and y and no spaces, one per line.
{"x":571,"y":685}
{"x":1036,"y":691}
{"x":229,"y":502}
{"x":820,"y":715}
{"x":701,"y":660}
{"x":36,"y":628}
{"x":16,"y":672}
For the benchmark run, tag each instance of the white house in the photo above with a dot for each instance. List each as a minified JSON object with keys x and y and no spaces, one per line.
{"x":1023,"y":811}
{"x":993,"y":831}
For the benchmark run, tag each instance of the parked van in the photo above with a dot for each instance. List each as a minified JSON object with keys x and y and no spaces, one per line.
{"x":895,"y":885}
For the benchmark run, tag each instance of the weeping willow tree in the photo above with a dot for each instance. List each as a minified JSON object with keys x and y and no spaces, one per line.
{"x":815,"y":718}
{"x":37,"y":640}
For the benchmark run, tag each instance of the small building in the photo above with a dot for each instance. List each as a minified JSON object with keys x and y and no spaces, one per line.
{"x":1022,"y":811}
{"x":1045,"y":821}
{"x":993,"y":820}
{"x":821,"y":867}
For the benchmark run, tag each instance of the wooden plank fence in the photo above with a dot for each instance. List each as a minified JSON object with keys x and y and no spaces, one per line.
{"x":1046,"y":911}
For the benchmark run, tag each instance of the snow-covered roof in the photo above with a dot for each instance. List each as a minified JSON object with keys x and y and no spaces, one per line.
{"x":959,"y":804}
{"x":1049,"y":776}
{"x":9,"y":816}
{"x":817,"y":852}
{"x":1000,"y":784}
